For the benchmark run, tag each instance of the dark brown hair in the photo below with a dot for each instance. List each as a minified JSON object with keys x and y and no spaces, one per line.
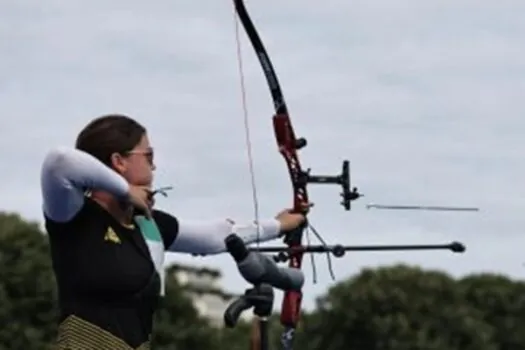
{"x":108,"y":134}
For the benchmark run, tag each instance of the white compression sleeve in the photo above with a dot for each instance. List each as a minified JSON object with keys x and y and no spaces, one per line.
{"x":208,"y":238}
{"x":66,"y":174}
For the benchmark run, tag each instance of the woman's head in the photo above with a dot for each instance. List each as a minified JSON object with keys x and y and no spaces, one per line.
{"x":122,"y":144}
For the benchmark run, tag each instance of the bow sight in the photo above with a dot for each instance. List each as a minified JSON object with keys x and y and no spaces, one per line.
{"x":301,"y":178}
{"x":348,"y":193}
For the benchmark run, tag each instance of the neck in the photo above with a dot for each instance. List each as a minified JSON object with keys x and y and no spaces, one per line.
{"x":122,"y":213}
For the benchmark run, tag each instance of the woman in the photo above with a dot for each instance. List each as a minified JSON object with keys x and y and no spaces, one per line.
{"x":108,"y":243}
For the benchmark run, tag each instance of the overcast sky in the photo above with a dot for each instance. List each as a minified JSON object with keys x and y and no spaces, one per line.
{"x":426,"y":98}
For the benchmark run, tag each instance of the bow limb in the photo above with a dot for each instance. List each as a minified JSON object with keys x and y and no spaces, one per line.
{"x":288,"y":145}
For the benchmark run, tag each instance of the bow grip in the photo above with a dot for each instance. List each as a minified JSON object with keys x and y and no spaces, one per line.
{"x":293,"y":237}
{"x":234,"y":311}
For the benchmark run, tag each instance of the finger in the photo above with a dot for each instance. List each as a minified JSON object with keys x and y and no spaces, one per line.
{"x":147,"y":211}
{"x":151,"y":202}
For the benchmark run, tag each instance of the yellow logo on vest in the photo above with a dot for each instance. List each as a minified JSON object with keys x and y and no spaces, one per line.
{"x":111,"y":236}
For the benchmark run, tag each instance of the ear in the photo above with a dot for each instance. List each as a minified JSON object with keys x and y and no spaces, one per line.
{"x":118,"y":162}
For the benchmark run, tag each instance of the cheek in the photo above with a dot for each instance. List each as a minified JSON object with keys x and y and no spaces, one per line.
{"x":140,"y":176}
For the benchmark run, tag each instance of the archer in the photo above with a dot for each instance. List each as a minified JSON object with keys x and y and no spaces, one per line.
{"x":108,"y":242}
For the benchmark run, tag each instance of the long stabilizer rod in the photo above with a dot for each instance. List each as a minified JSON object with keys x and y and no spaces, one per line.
{"x":338,"y":250}
{"x":420,"y":207}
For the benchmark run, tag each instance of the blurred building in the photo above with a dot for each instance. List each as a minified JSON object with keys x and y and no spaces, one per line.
{"x":203,"y":286}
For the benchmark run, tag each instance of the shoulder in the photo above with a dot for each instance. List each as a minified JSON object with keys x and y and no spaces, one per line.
{"x":88,"y":214}
{"x":168,"y":226}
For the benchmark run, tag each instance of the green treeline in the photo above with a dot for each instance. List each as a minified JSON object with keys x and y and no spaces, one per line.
{"x":392,"y":308}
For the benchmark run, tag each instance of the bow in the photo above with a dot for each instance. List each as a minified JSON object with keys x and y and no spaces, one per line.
{"x":289,"y":145}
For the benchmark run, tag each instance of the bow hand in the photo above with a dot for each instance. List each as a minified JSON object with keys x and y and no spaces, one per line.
{"x":291,"y":221}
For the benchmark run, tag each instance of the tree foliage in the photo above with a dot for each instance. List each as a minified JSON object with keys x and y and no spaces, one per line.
{"x":502,"y":304}
{"x":390,"y":308}
{"x":179,"y":326}
{"x":27,"y":293}
{"x":403,"y":307}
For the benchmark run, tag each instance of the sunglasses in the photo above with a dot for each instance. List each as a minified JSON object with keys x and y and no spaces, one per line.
{"x":148,"y":154}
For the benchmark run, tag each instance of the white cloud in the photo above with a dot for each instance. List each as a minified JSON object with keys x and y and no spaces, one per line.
{"x":425,"y":98}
